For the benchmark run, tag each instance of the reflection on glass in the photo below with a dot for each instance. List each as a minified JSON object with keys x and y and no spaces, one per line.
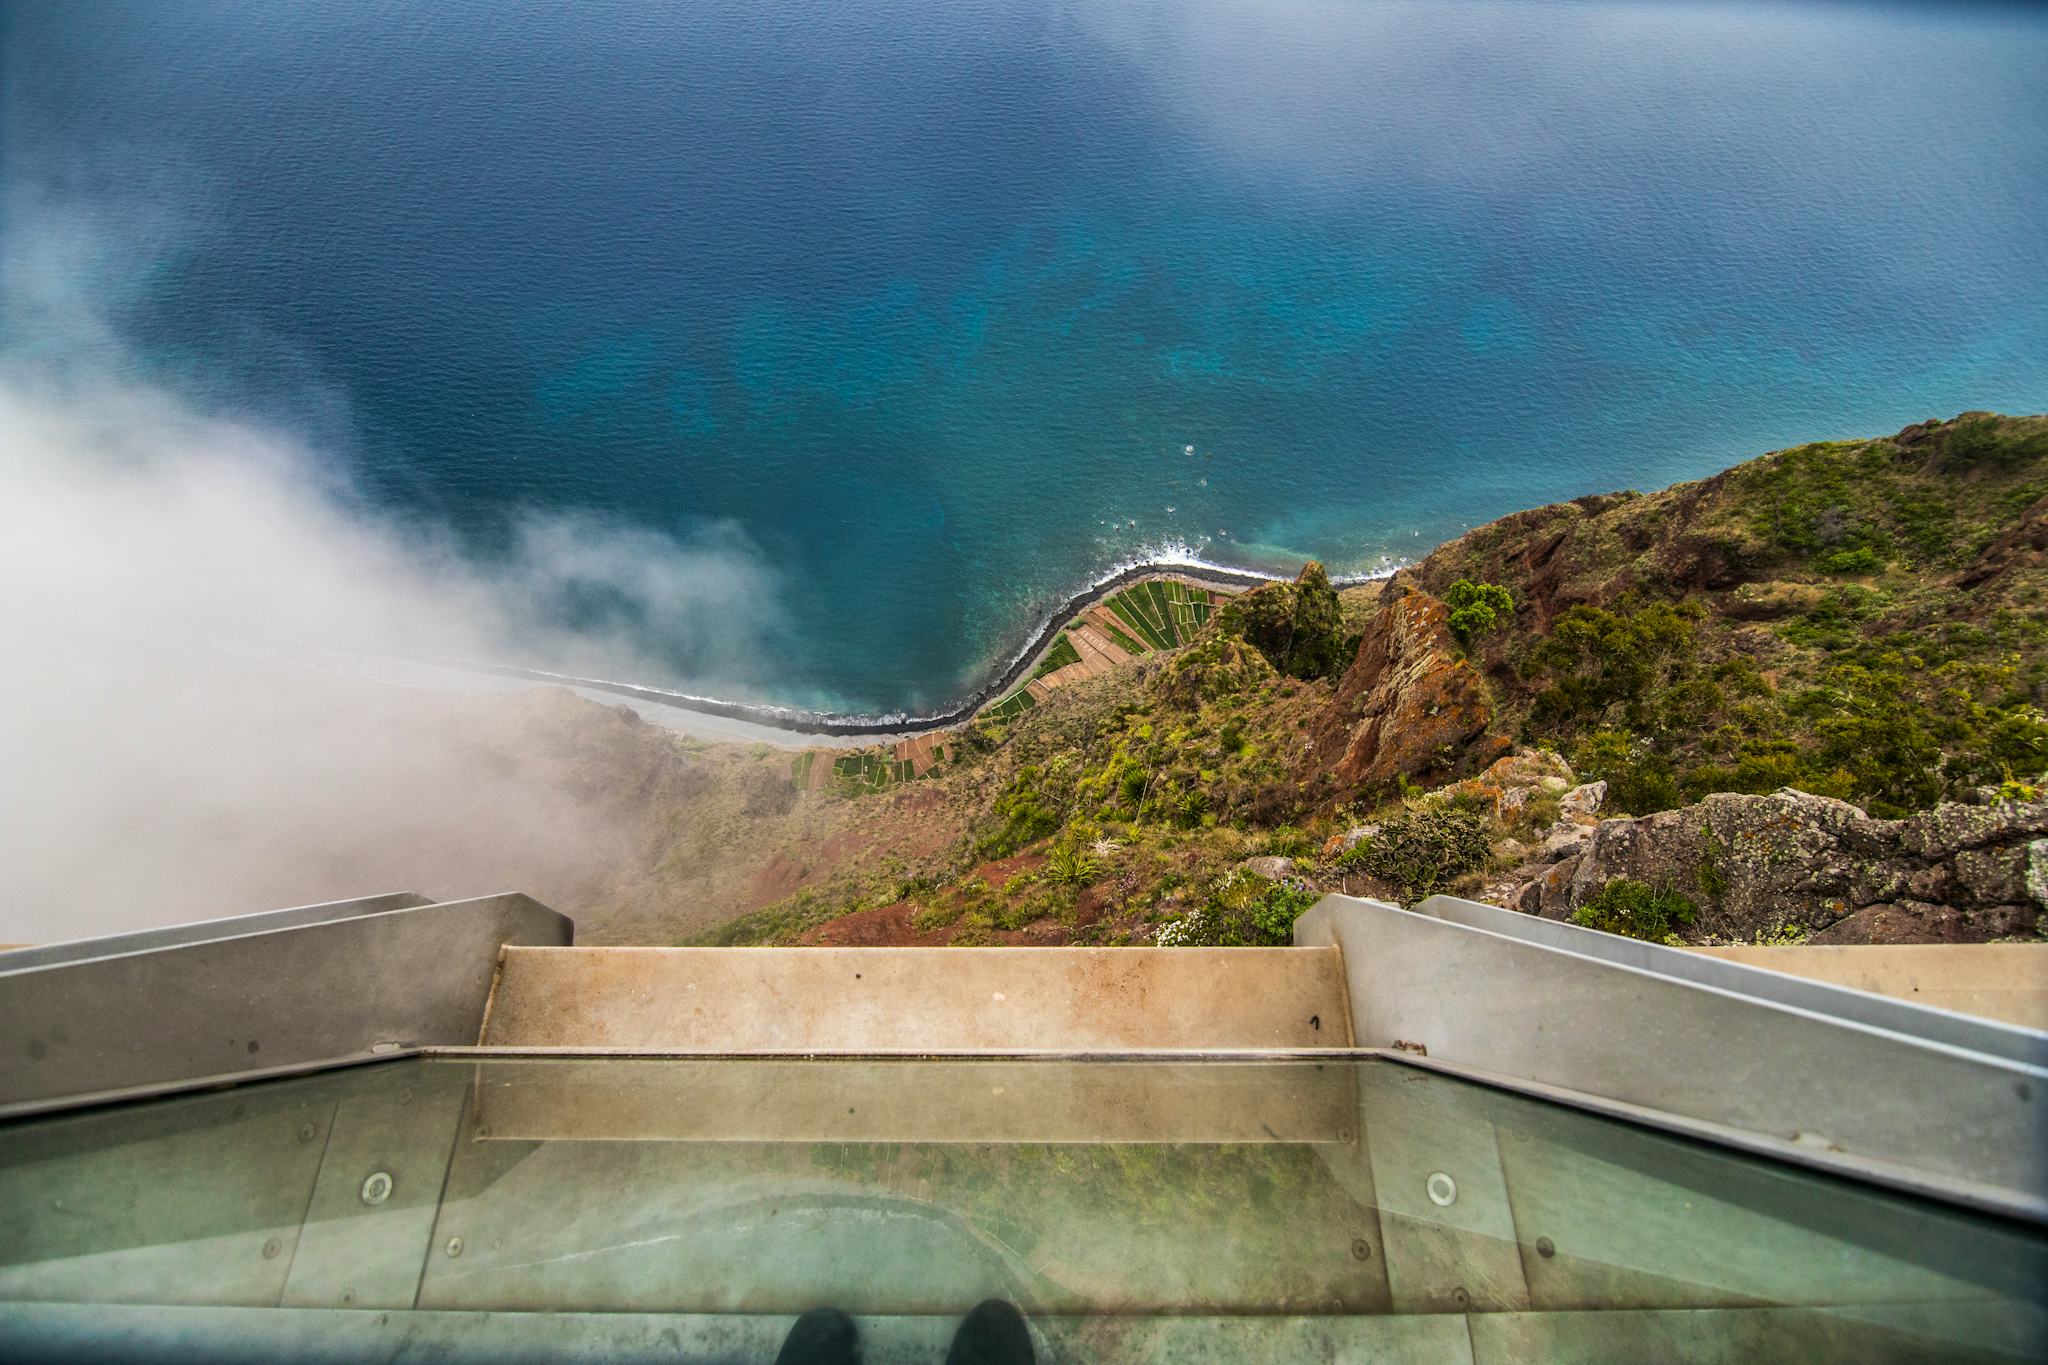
{"x":1272,"y":1208}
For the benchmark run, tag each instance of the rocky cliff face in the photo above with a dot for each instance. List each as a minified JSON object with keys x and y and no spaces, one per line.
{"x":1410,"y":704}
{"x":1800,"y":676}
{"x":1762,"y":864}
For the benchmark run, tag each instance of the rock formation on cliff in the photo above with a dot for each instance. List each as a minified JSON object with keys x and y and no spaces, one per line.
{"x":1762,"y":865}
{"x":1411,"y":705}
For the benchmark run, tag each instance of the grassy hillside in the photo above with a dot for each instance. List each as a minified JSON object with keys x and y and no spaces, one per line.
{"x":1861,"y":619}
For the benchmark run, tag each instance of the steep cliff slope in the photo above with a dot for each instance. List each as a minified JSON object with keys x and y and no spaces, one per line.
{"x":1862,"y":621}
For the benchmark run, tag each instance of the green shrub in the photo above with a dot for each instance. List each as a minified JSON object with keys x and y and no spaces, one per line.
{"x":1985,"y":441}
{"x":1639,"y":779}
{"x":1477,"y":608}
{"x":1025,"y":818}
{"x":1071,"y":865}
{"x":2017,"y":790}
{"x":1288,"y":842}
{"x":936,"y":915}
{"x":1243,"y":910}
{"x":1421,"y":851}
{"x":1636,"y":910}
{"x":1861,"y":559}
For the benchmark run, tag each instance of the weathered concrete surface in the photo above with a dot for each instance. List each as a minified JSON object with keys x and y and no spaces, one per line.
{"x":851,"y":1099}
{"x":2003,"y":981}
{"x":727,"y":1000}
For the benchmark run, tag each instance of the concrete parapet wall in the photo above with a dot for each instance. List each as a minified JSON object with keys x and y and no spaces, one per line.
{"x":235,"y":997}
{"x":797,"y":1000}
{"x":1737,"y":1068}
{"x":2007,"y":982}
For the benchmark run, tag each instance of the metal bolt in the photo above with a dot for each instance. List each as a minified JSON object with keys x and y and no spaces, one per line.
{"x":454,"y":1246}
{"x":377,"y":1188}
{"x":271,"y":1247}
{"x":1443,"y":1191}
{"x":1361,"y":1249}
{"x":1461,"y":1298}
{"x":348,"y":1296}
{"x":1545,"y":1248}
{"x":306,"y":1131}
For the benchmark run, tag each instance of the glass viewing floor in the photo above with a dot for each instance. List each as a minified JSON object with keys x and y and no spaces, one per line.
{"x":516,"y":1208}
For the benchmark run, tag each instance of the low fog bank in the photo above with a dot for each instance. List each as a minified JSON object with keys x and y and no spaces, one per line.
{"x":167,"y":753}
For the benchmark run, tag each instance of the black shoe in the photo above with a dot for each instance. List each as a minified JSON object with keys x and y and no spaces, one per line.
{"x":993,"y":1334}
{"x":823,"y":1336}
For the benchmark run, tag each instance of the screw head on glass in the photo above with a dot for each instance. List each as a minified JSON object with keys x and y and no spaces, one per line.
{"x":377,"y":1188}
{"x":454,"y":1246}
{"x":1443,"y":1191}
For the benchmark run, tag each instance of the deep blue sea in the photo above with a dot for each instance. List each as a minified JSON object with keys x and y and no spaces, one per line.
{"x":946,"y":306}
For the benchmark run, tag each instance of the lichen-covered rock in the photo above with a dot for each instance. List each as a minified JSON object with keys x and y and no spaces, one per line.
{"x":1510,"y":783}
{"x":1566,"y":838}
{"x":1348,"y":840}
{"x":1410,"y":705}
{"x":1585,"y":800}
{"x":1920,"y":922}
{"x":1949,"y":829}
{"x":1759,"y":864}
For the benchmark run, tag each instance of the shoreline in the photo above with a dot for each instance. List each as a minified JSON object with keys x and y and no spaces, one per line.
{"x":801,"y":724}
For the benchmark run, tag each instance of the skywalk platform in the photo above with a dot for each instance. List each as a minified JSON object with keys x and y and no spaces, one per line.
{"x":391,"y":1129}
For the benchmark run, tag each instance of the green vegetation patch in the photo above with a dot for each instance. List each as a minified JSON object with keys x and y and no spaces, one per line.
{"x":1163,"y":613}
{"x":1059,"y":656}
{"x":1423,"y":850}
{"x":1853,"y":618}
{"x":870,"y":770}
{"x":782,"y":922}
{"x":1012,"y":706}
{"x":1244,"y":910}
{"x":1637,"y":910}
{"x":1298,"y":626}
{"x":1478,"y":608}
{"x":1123,"y":641}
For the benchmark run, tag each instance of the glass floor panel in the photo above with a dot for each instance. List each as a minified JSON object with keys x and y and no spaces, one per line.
{"x":509,"y":1209}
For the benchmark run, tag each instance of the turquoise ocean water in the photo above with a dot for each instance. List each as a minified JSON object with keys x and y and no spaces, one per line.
{"x":946,"y":308}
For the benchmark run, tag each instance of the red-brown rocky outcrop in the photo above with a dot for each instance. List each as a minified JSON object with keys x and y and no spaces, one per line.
{"x":1410,"y":705}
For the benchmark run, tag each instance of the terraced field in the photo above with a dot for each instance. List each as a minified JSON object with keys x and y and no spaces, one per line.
{"x":1165,"y":613}
{"x":1059,"y":656}
{"x":868,"y":770}
{"x":1160,"y":613}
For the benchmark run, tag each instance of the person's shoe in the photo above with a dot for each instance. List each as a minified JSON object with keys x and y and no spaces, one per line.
{"x":823,"y":1336}
{"x":993,"y":1334}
